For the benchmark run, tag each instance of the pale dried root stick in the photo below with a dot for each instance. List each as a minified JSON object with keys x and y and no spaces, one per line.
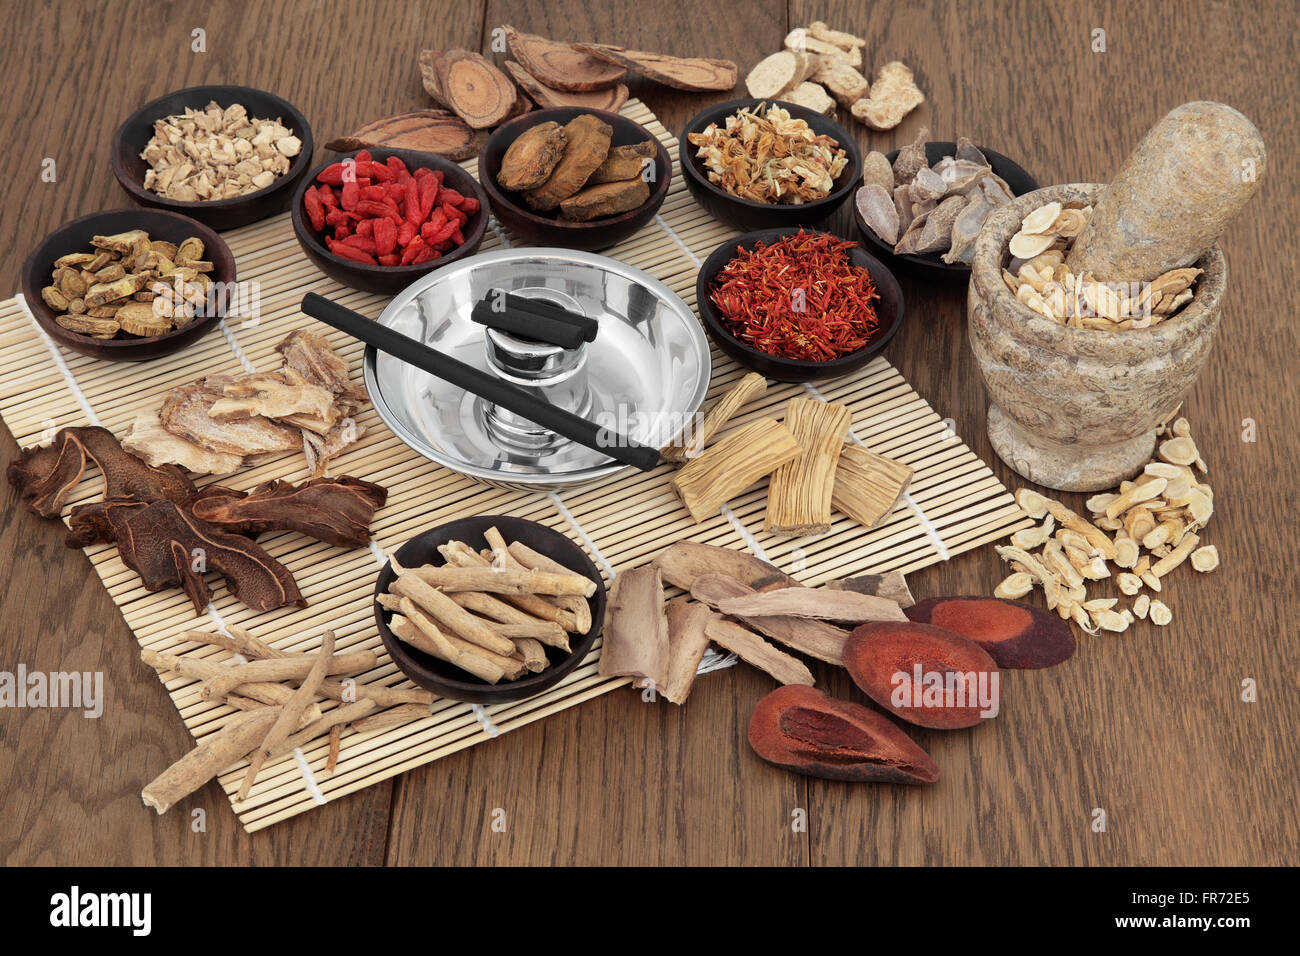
{"x":281,"y":669}
{"x":531,"y":604}
{"x":239,"y":641}
{"x":447,"y":612}
{"x":510,"y":667}
{"x":212,"y":755}
{"x":551,"y":633}
{"x":287,"y":720}
{"x":532,"y":654}
{"x":746,"y":390}
{"x":577,"y":606}
{"x":336,"y":740}
{"x":509,"y":581}
{"x":436,"y":644}
{"x":267,"y":692}
{"x":381,"y":695}
{"x":393,"y":717}
{"x":343,"y":714}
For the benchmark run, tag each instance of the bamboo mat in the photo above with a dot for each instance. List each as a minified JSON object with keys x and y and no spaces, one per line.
{"x":954,"y":504}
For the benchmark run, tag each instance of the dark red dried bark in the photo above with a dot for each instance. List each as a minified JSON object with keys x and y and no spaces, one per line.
{"x":801,"y":729}
{"x":882,"y":657}
{"x":337,"y":511}
{"x":47,"y":475}
{"x":168,"y":547}
{"x":1014,"y":634}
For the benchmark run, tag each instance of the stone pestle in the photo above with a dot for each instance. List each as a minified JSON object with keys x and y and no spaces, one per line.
{"x":1174,"y":196}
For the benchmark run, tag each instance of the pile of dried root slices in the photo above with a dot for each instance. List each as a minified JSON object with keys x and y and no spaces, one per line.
{"x":1146,"y":529}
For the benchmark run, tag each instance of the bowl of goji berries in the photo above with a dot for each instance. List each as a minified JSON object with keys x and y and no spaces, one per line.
{"x":378,"y":219}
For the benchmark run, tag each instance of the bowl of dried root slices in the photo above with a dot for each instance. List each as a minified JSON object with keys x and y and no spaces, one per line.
{"x":129,"y":284}
{"x":489,"y":609}
{"x":225,"y":155}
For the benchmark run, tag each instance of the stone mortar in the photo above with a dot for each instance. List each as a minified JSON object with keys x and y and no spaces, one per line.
{"x":1076,"y":409}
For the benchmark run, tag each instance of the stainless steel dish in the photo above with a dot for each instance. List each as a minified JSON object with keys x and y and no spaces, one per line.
{"x":644,"y":376}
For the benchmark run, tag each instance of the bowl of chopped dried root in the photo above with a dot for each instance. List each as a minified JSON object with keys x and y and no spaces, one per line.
{"x":129,"y":284}
{"x":224,"y":155}
{"x":759,"y":164}
{"x":489,"y":609}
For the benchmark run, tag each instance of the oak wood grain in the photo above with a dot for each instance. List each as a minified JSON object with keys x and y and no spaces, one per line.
{"x":1148,"y":726}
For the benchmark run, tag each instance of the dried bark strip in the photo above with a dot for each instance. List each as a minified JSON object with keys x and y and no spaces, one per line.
{"x":816,"y":603}
{"x":814,"y":638}
{"x":559,"y":65}
{"x":739,"y":460}
{"x":752,"y":649}
{"x":799,"y":497}
{"x":636,"y":629}
{"x":429,"y":131}
{"x":694,"y":74}
{"x":750,"y":387}
{"x":687,"y":642}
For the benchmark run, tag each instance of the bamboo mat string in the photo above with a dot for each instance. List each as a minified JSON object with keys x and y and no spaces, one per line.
{"x":582,"y":533}
{"x":308,"y":778}
{"x":672,"y":233}
{"x":481,"y":715}
{"x":59,"y":362}
{"x":234,"y":347}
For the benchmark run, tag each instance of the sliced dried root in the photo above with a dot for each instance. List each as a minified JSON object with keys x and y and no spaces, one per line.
{"x":1142,"y":605}
{"x":1205,"y":559}
{"x":1014,"y":586}
{"x":1160,"y":614}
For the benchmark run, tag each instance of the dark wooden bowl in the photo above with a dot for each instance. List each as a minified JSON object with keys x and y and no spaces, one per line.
{"x":134,"y":134}
{"x":747,"y":213}
{"x":544,"y":230}
{"x":889,"y":308}
{"x":389,"y":280}
{"x":75,"y":236}
{"x":930,"y":265}
{"x":453,"y":683}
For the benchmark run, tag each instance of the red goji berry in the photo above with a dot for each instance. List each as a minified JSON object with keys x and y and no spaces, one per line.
{"x":364,"y":243}
{"x":370,"y":209}
{"x":444,"y":232}
{"x":311,"y":205}
{"x":366,"y":227}
{"x":469,"y":205}
{"x":331,"y":175}
{"x":343,"y":231}
{"x":451,"y":196}
{"x":412,"y":211}
{"x":395,"y":191}
{"x":327,"y":197}
{"x":376,"y":193}
{"x":352,"y":253}
{"x":351,"y":193}
{"x":385,"y":233}
{"x":457,"y":238}
{"x":392,"y":259}
{"x":426,"y":254}
{"x":363,"y":156}
{"x":406,"y":233}
{"x":396,"y":165}
{"x":412,"y":250}
{"x":380,"y":173}
{"x":429,"y":188}
{"x":453,"y":214}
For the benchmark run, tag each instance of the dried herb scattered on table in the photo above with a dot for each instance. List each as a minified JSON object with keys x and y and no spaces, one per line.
{"x":800,"y":297}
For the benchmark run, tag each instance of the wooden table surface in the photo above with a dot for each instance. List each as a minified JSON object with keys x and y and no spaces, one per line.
{"x":1148,"y":726}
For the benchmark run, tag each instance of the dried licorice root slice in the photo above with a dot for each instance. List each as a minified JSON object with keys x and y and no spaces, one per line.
{"x":959,"y":682}
{"x":1015,"y":634}
{"x":799,"y":728}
